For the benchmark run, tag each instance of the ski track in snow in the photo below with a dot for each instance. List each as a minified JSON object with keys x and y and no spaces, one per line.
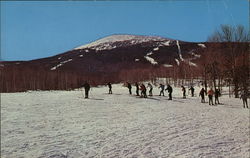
{"x":62,"y":124}
{"x":60,"y":64}
{"x":177,"y":62}
{"x":192,"y":64}
{"x":179,"y":50}
{"x":151,"y":60}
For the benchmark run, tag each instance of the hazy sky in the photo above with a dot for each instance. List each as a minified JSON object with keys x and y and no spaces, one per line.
{"x":34,"y":29}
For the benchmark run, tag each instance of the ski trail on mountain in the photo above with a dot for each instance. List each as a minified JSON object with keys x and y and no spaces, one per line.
{"x":179,"y":50}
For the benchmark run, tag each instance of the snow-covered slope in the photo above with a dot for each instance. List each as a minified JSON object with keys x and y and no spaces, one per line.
{"x":60,"y":124}
{"x":106,"y":43}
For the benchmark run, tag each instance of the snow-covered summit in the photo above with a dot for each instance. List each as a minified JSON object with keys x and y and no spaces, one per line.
{"x":107,"y":42}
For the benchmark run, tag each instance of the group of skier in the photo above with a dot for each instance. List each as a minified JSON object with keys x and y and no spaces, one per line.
{"x":141,"y":87}
{"x":202,"y":93}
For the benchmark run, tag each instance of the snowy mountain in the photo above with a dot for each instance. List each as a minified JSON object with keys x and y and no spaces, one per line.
{"x":149,"y":50}
{"x":112,"y":56}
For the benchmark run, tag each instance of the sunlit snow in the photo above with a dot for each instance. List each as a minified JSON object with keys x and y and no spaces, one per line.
{"x":150,"y":53}
{"x":167,"y":65}
{"x":155,"y":49}
{"x":177,"y":61}
{"x":62,"y":124}
{"x":134,"y":39}
{"x":202,"y":45}
{"x":196,"y":55}
{"x":167,"y":43}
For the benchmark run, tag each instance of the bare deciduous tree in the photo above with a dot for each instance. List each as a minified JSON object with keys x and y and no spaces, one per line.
{"x":231,"y":35}
{"x":228,"y":33}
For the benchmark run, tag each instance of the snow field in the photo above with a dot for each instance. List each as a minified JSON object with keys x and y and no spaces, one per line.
{"x":61,"y":124}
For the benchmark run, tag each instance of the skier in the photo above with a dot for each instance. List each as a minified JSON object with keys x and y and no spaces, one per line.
{"x":202,"y":94}
{"x":244,"y":98}
{"x":192,"y":90}
{"x":170,"y":90}
{"x":184,"y":92}
{"x":150,"y":89}
{"x":87,"y":88}
{"x":129,"y":87}
{"x":210,"y":96}
{"x":137,"y":89}
{"x":162,"y":89}
{"x":217,"y":95}
{"x":143,"y":91}
{"x":110,"y":88}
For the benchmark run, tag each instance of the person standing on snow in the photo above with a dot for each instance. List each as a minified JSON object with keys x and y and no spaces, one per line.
{"x":143,"y":91}
{"x":129,"y":87}
{"x":137,"y":89}
{"x":110,"y":88}
{"x":192,"y":91}
{"x":170,"y":90}
{"x":183,"y":91}
{"x":150,"y":89}
{"x":210,"y":96}
{"x":202,"y":94}
{"x":162,"y":89}
{"x":86,"y":88}
{"x":217,"y":94}
{"x":244,"y":98}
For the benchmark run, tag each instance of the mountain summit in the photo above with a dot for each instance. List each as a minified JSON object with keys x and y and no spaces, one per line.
{"x":115,"y":41}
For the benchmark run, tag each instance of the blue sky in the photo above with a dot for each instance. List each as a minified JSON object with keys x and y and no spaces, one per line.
{"x":34,"y":29}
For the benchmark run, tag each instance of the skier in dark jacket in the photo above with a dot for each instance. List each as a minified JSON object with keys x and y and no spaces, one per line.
{"x":129,"y":87}
{"x":244,"y":96}
{"x":110,"y":88}
{"x":217,"y":95}
{"x":137,"y":89}
{"x":87,"y":88}
{"x":202,"y":94}
{"x":143,"y":91}
{"x":162,"y":89}
{"x":192,"y":91}
{"x":150,"y":89}
{"x":170,"y":90}
{"x":183,"y":91}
